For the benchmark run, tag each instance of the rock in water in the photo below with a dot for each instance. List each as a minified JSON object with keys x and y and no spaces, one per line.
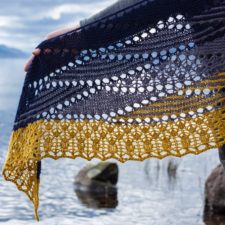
{"x":104,"y":173}
{"x":215,"y":192}
{"x":222,"y":155}
{"x":95,"y":185}
{"x":211,"y":219}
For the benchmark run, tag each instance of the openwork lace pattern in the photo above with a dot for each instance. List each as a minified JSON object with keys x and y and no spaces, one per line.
{"x":144,"y":88}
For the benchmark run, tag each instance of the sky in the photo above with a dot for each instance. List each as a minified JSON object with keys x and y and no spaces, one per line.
{"x":25,"y":23}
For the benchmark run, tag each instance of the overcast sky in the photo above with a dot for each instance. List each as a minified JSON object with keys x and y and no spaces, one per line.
{"x":24,"y":23}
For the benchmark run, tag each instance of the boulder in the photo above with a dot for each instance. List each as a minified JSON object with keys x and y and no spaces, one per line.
{"x":95,"y":185}
{"x":212,"y":219}
{"x":222,"y":155}
{"x":215,"y":192}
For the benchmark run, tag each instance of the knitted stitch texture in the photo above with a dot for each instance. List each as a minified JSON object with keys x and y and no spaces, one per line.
{"x":147,"y":81}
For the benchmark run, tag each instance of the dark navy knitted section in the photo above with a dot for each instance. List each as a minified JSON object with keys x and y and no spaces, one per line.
{"x":145,"y":51}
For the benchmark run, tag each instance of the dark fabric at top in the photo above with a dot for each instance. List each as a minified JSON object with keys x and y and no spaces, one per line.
{"x":117,"y":6}
{"x":122,"y":4}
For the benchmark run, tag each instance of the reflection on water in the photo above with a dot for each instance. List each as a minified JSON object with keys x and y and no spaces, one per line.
{"x":168,"y":169}
{"x":98,"y":201}
{"x":149,"y":192}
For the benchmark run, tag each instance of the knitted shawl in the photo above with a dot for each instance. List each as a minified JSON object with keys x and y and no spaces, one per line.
{"x":146,"y":81}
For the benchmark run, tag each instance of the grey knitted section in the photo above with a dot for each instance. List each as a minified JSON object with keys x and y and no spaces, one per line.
{"x":134,"y":72}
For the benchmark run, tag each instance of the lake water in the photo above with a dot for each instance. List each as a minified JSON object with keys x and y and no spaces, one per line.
{"x":147,"y":193}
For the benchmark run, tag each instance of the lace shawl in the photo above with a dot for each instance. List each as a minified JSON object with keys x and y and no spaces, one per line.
{"x":146,"y":81}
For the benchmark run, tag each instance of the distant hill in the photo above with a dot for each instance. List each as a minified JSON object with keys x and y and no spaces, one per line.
{"x":8,"y":52}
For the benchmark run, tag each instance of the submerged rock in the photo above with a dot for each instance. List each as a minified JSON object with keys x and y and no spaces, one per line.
{"x":95,"y":185}
{"x":215,"y":192}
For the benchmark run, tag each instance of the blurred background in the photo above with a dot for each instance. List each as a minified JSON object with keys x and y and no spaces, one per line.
{"x":164,"y":192}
